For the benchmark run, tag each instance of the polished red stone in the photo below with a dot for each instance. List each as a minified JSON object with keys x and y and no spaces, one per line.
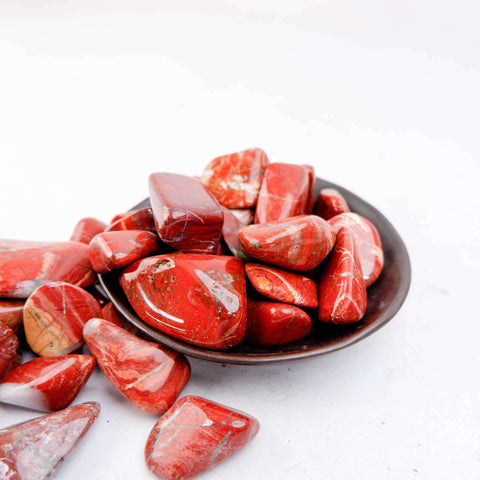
{"x":341,"y":289}
{"x":24,"y":266}
{"x":330,"y":202}
{"x":112,"y":250}
{"x":11,"y":313}
{"x":54,"y":317}
{"x":284,"y":193}
{"x":235,"y":179}
{"x":195,"y":435}
{"x":311,"y":189}
{"x":245,"y":216}
{"x":272,"y":323}
{"x":86,"y":229}
{"x":32,"y":450}
{"x":367,"y":241}
{"x":15,"y":362}
{"x":47,"y":384}
{"x":298,"y":243}
{"x":282,"y":285}
{"x":199,"y":299}
{"x":8,"y":347}
{"x":149,"y":375}
{"x":231,"y":227}
{"x":187,"y":217}
{"x":141,"y":219}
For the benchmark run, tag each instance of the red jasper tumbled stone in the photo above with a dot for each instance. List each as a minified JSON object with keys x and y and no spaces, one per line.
{"x":47,"y":384}
{"x":367,"y":241}
{"x":11,"y":313}
{"x":297,"y":243}
{"x":24,"y":266}
{"x":149,"y":375}
{"x":8,"y":347}
{"x":54,"y":316}
{"x":245,"y":216}
{"x":187,"y":217}
{"x":235,"y":179}
{"x":272,"y":323}
{"x":141,"y":219}
{"x":86,"y":229}
{"x":330,"y":202}
{"x":311,"y":189}
{"x":195,"y":435}
{"x":341,"y":289}
{"x":113,"y":250}
{"x":199,"y":299}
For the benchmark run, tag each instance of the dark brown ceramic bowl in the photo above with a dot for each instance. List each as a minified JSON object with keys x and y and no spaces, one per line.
{"x":385,"y":297}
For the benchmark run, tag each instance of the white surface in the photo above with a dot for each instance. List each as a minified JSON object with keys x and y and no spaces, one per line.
{"x":381,"y":97}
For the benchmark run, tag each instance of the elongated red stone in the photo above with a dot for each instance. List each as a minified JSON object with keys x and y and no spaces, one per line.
{"x":282,"y":285}
{"x":298,"y":243}
{"x":330,"y":202}
{"x":367,"y":241}
{"x":272,"y":323}
{"x":341,"y":289}
{"x":86,"y":229}
{"x":32,"y":450}
{"x":11,"y":313}
{"x":54,"y":316}
{"x":8,"y":347}
{"x":112,"y":250}
{"x":245,"y":216}
{"x":149,"y":375}
{"x":235,"y":179}
{"x":199,"y":299}
{"x":47,"y":384}
{"x":195,"y":435}
{"x":24,"y":266}
{"x":186,"y":216}
{"x":284,"y":192}
{"x":141,"y":219}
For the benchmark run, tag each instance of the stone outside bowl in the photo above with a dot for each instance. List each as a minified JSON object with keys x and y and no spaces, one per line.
{"x":385,"y":297}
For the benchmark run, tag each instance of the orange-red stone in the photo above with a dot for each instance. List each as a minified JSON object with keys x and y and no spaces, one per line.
{"x":141,"y":219}
{"x":341,"y":289}
{"x":8,"y":347}
{"x":11,"y":313}
{"x":32,"y":450}
{"x":187,"y":217}
{"x":112,"y":250}
{"x":367,"y":241}
{"x":195,"y":435}
{"x":235,"y":179}
{"x":47,"y":384}
{"x":86,"y":229}
{"x":330,"y":202}
{"x":199,"y":299}
{"x":282,"y":285}
{"x":284,"y":192}
{"x":54,"y":317}
{"x":149,"y":375}
{"x":24,"y":266}
{"x":272,"y":323}
{"x":298,"y":243}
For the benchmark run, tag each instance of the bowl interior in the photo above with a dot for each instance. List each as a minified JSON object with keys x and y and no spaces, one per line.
{"x":385,"y":297}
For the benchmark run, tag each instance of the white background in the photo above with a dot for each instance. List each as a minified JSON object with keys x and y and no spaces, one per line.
{"x":381,"y":97}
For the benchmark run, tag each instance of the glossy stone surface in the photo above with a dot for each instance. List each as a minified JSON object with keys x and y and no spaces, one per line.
{"x":199,"y":299}
{"x":195,"y":435}
{"x":112,"y":250}
{"x":330,"y":202}
{"x":8,"y":347}
{"x":367,"y":241}
{"x":231,"y":227}
{"x":235,"y":179}
{"x":311,"y":189}
{"x":282,"y":285}
{"x":284,"y":192}
{"x":341,"y":289}
{"x":24,"y":266}
{"x":86,"y":229}
{"x":149,"y":375}
{"x":32,"y":450}
{"x":272,"y":323}
{"x":47,"y":384}
{"x":11,"y":313}
{"x":298,"y":243}
{"x":54,"y":316}
{"x":187,"y":217}
{"x":141,"y":219}
{"x":245,"y":216}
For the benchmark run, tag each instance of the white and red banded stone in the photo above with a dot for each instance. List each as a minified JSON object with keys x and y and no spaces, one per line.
{"x":32,"y":450}
{"x":86,"y":229}
{"x":47,"y":384}
{"x":194,"y":435}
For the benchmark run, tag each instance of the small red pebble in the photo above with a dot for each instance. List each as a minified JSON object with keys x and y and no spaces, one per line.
{"x":86,"y":229}
{"x":330,"y":202}
{"x":141,"y":219}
